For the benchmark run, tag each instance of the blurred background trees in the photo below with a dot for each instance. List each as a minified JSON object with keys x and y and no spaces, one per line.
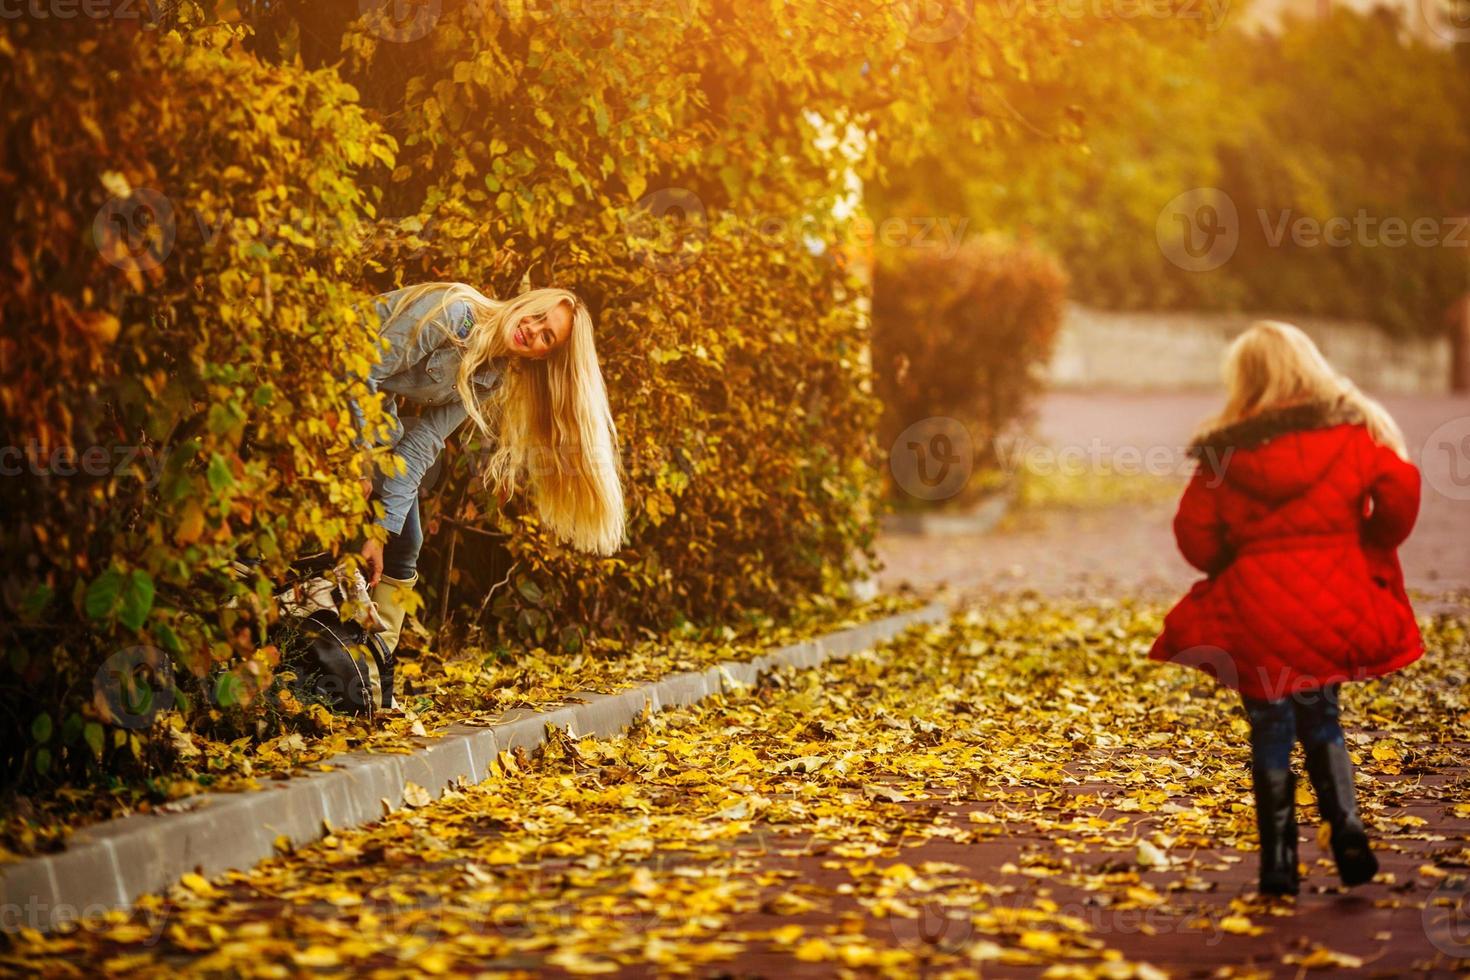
{"x":1326,"y":117}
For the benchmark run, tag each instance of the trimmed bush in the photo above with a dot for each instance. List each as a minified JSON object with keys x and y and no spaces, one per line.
{"x":963,"y":336}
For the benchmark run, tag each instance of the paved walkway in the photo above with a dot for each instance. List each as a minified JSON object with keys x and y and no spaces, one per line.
{"x":1020,"y":794}
{"x":1129,"y":549}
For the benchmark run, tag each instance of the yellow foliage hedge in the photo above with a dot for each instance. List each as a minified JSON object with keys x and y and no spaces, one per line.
{"x":561,"y":141}
{"x":181,"y":252}
{"x":194,"y":212}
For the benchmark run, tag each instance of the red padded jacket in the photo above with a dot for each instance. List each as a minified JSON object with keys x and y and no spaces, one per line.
{"x":1294,"y":514}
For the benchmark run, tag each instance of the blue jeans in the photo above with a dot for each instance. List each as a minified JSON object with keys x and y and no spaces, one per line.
{"x":1313,"y":717}
{"x":401,"y":553}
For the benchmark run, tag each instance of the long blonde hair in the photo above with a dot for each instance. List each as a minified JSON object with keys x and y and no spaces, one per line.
{"x":1274,"y":364}
{"x":549,"y":418}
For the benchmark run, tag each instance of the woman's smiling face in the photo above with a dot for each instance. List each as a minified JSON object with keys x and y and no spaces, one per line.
{"x":537,"y":336}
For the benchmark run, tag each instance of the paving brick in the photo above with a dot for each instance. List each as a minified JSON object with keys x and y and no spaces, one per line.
{"x":736,"y":676}
{"x":605,"y":715}
{"x":437,"y":765}
{"x":681,"y":689}
{"x":482,"y":746}
{"x":524,"y":732}
{"x":373,"y":778}
{"x":27,"y":894}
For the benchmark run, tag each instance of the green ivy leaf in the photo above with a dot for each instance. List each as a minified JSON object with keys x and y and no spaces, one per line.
{"x":36,"y":602}
{"x":168,"y":638}
{"x":41,"y":728}
{"x":103,"y":594}
{"x":227,"y":690}
{"x":532,"y":625}
{"x":137,"y":600}
{"x":219,"y":475}
{"x":93,"y":735}
{"x":530,"y":590}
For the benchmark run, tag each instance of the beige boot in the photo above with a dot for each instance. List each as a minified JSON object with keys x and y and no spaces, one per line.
{"x":394,"y":599}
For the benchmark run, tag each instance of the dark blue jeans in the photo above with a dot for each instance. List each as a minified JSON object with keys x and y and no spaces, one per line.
{"x":401,"y":553}
{"x":1311,"y":717}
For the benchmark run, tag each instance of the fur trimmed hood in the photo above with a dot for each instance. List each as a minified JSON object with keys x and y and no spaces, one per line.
{"x":1261,"y":428}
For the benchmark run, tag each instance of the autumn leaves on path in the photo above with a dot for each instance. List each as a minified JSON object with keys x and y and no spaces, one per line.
{"x":1017,"y":793}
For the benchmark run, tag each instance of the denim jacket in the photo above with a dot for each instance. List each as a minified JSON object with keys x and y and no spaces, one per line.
{"x":421,"y":370}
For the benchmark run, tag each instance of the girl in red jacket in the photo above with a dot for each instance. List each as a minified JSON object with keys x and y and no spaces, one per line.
{"x":1303,"y":492}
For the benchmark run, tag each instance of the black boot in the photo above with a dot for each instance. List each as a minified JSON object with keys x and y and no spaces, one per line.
{"x":1332,"y":778}
{"x":1276,"y":821}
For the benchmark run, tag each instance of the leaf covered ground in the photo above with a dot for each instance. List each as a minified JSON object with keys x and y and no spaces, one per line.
{"x":1015,"y":793}
{"x":469,"y":685}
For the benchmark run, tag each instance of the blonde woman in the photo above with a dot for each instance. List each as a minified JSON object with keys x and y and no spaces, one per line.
{"x":1304,"y":493}
{"x":524,"y":371}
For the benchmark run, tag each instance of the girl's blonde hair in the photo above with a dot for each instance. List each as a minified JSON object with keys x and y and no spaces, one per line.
{"x":1274,"y":364}
{"x":549,"y":418}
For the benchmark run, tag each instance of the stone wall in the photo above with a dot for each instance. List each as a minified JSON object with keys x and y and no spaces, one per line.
{"x":1171,"y":351}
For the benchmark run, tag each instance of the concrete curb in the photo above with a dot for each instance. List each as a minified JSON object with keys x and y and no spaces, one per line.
{"x":111,"y":864}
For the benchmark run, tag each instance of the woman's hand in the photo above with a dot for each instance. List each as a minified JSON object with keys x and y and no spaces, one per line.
{"x":372,"y":556}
